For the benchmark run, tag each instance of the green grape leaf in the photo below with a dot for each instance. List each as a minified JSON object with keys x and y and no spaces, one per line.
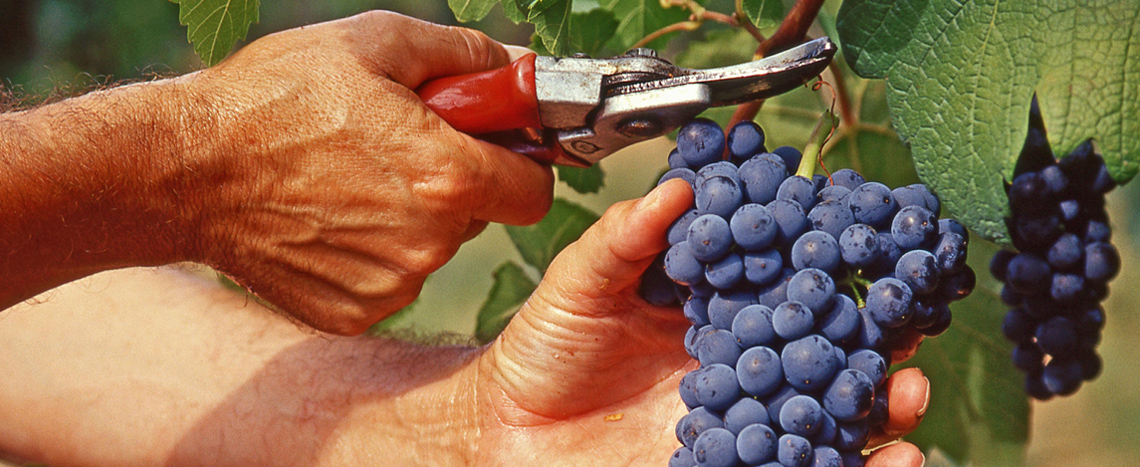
{"x":471,"y":10}
{"x":551,"y":20}
{"x":214,"y":26}
{"x":513,"y":12}
{"x":960,"y":75}
{"x":539,"y":243}
{"x":510,"y":289}
{"x":588,"y":180}
{"x":979,"y":413}
{"x":639,"y":18}
{"x":589,"y":31}
{"x":763,"y":13}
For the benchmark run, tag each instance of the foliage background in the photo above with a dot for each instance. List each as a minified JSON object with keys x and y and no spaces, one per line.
{"x":53,"y":48}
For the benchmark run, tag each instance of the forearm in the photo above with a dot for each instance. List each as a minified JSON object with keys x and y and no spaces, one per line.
{"x":89,"y":184}
{"x":138,"y":367}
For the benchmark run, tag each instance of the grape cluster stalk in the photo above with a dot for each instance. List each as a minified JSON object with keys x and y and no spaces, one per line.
{"x":798,"y":286}
{"x":1055,"y":282}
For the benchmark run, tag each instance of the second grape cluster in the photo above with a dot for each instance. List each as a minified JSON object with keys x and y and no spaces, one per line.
{"x":797,"y":288}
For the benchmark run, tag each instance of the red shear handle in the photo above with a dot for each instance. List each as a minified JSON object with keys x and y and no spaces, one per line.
{"x":486,"y":102}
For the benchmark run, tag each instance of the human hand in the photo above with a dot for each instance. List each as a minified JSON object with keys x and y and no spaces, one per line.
{"x":320,"y":181}
{"x":585,"y":346}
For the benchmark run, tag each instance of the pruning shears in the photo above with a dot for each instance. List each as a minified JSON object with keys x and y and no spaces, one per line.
{"x":577,"y":110}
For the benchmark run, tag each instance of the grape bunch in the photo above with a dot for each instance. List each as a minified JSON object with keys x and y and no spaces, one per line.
{"x":1056,"y":281}
{"x":797,"y":286}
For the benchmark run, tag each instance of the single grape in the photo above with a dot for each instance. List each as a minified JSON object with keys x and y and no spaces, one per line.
{"x":725,"y":272}
{"x":798,"y":189}
{"x":682,"y":457}
{"x":834,"y":193}
{"x":763,"y":267}
{"x":814,"y":288}
{"x":793,"y":451}
{"x":1066,"y":287}
{"x":792,"y":320}
{"x":719,"y":346}
{"x":919,"y":270}
{"x":831,"y":216}
{"x":790,"y":218}
{"x":719,"y":195}
{"x":1025,"y":192}
{"x":816,"y":249}
{"x":716,"y":447}
{"x":1102,"y":262}
{"x":696,"y":309}
{"x":761,"y":177}
{"x":916,"y":195}
{"x":688,"y":391}
{"x":753,"y":326}
{"x":697,"y":421}
{"x":842,"y":323}
{"x":745,"y":140}
{"x":870,"y":335}
{"x":953,"y":226}
{"x":870,"y":363}
{"x":1000,"y":262}
{"x":753,"y":227}
{"x":913,"y":227}
{"x":676,"y":161}
{"x":1028,"y":273}
{"x":721,"y":168}
{"x":826,"y":456}
{"x":1062,"y":376}
{"x":700,"y":142}
{"x":682,"y":266}
{"x":873,"y":204}
{"x":756,"y":444}
{"x":724,"y":305}
{"x":847,"y":178}
{"x":888,"y":301}
{"x":850,"y":396}
{"x":760,"y":372}
{"x":801,"y":415}
{"x":790,"y":155}
{"x":809,"y":363}
{"x":709,"y":237}
{"x":681,"y":173}
{"x":1057,"y":336}
{"x":775,"y":293}
{"x":716,"y":386}
{"x":746,"y":411}
{"x":679,"y":229}
{"x":859,"y":245}
{"x":950,"y":252}
{"x":852,"y":435}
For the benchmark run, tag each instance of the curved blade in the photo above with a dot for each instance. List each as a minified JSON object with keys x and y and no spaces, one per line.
{"x":760,"y":79}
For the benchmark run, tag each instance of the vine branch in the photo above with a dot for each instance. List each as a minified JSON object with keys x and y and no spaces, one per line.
{"x":790,"y":33}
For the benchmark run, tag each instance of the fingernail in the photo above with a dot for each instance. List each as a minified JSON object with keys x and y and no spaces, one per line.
{"x":926,"y":400}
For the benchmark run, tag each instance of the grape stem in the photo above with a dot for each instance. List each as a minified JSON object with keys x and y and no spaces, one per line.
{"x":814,"y":148}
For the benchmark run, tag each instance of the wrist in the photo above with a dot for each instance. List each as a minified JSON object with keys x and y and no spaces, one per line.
{"x":82,"y":180}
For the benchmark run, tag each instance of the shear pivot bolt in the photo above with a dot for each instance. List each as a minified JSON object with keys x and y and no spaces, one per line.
{"x":640,"y":128}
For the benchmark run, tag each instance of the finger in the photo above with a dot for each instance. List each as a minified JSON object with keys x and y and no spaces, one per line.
{"x":620,"y":245}
{"x":512,"y":189}
{"x":908,"y":391}
{"x":411,"y":51}
{"x":897,"y":455}
{"x":516,"y":51}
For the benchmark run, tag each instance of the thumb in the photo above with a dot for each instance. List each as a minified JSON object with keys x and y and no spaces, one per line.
{"x":410,"y":51}
{"x":612,"y":255}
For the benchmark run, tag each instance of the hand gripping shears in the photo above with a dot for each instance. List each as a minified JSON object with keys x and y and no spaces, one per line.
{"x":577,"y":110}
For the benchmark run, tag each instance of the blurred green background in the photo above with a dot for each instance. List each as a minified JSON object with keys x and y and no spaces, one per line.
{"x":54,"y":48}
